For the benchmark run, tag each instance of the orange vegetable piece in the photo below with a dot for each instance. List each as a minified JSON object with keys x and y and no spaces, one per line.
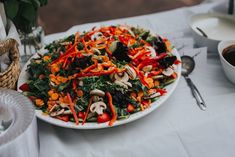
{"x":168,"y":45}
{"x":156,"y":83}
{"x":79,"y":93}
{"x":55,"y":68}
{"x":130,"y":108}
{"x":50,"y":92}
{"x":133,"y":94}
{"x":150,"y":82}
{"x":54,"y":96}
{"x":46,"y":58}
{"x":64,"y":80}
{"x":39,"y":102}
{"x":105,"y":58}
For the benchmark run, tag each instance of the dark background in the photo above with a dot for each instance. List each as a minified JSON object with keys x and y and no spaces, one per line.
{"x":60,"y":15}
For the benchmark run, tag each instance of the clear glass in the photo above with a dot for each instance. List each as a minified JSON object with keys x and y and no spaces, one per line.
{"x":31,"y":42}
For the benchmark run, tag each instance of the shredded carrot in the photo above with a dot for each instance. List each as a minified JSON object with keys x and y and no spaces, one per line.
{"x":54,"y":96}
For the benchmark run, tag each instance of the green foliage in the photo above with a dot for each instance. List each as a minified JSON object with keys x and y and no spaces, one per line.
{"x":23,"y":13}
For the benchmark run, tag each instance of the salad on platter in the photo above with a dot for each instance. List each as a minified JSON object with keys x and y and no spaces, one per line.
{"x":102,"y":75}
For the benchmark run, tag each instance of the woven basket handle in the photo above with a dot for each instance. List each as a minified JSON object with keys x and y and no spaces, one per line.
{"x":11,"y":46}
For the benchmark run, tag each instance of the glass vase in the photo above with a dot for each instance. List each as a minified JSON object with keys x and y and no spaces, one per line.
{"x":31,"y":42}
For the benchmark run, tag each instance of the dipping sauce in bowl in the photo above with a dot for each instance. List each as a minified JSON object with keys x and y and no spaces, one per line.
{"x":226,"y":51}
{"x":229,"y":54}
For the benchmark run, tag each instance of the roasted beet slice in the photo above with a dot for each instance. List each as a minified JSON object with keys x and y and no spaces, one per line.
{"x":120,"y":53}
{"x":167,"y":61}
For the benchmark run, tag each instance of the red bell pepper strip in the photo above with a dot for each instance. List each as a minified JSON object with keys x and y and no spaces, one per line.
{"x":142,"y":79}
{"x":139,"y":55}
{"x":71,"y":105}
{"x":155,"y":73}
{"x":74,"y":84}
{"x":87,"y":111}
{"x":24,"y":87}
{"x":112,"y":108}
{"x":161,"y":91}
{"x":151,"y":61}
{"x":64,"y":118}
{"x":177,"y":61}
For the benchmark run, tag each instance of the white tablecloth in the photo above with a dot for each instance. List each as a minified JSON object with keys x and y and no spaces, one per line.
{"x":178,"y":128}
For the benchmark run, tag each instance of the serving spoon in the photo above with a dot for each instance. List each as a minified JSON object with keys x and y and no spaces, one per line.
{"x":188,"y":65}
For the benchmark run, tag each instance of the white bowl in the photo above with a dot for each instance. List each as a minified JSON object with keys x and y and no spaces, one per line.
{"x":216,"y":26}
{"x":229,"y":69}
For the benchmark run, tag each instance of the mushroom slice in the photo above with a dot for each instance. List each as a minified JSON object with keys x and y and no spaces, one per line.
{"x":97,"y":92}
{"x":64,"y":105}
{"x":67,"y":112}
{"x":53,"y":108}
{"x":128,"y":84}
{"x":131,"y":72}
{"x":97,"y":98}
{"x":157,"y":77}
{"x":52,"y":84}
{"x":96,"y":50}
{"x":57,"y":113}
{"x":96,"y":36}
{"x":147,"y":68}
{"x":113,"y":46}
{"x":153,"y":95}
{"x":80,"y":83}
{"x":123,"y":78}
{"x":98,"y":107}
{"x":121,"y":84}
{"x":168,"y":72}
{"x":152,"y":50}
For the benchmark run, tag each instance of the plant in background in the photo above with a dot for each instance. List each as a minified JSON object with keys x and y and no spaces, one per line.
{"x":23,"y":13}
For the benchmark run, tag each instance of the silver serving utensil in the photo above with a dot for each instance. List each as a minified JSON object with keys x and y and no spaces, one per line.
{"x":202,"y":32}
{"x":188,"y":65}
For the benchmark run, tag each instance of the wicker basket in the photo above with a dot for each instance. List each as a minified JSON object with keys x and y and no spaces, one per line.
{"x":9,"y":77}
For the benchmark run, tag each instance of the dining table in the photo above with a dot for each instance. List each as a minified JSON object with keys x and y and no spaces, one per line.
{"x":178,"y":128}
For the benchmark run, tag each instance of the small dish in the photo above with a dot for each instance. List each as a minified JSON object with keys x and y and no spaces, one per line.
{"x":210,"y":28}
{"x":228,"y":68}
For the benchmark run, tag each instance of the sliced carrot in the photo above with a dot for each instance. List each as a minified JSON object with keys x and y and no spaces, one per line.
{"x":39,"y":102}
{"x":54,"y":96}
{"x":46,"y":58}
{"x":50,"y":92}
